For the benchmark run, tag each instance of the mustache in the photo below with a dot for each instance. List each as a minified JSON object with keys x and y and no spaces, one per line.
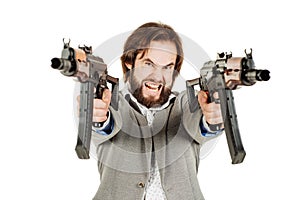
{"x":149,"y":82}
{"x":162,"y":82}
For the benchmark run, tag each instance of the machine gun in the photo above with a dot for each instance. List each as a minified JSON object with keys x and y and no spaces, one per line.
{"x":223,"y":75}
{"x":92,"y":74}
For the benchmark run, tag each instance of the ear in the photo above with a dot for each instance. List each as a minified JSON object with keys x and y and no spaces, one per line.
{"x":129,"y":66}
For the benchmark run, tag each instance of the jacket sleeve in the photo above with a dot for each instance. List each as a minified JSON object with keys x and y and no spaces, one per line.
{"x":192,"y":121}
{"x":98,"y":139}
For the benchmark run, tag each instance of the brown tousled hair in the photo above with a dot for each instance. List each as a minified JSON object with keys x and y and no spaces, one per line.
{"x":139,"y":41}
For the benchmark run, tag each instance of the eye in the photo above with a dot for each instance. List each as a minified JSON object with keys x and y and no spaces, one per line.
{"x":148,"y":64}
{"x":167,"y":67}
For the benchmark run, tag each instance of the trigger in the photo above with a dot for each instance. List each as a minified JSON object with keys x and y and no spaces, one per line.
{"x":215,"y":98}
{"x":98,"y":93}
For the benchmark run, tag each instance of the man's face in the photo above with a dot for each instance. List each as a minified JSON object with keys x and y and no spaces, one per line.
{"x":152,"y":78}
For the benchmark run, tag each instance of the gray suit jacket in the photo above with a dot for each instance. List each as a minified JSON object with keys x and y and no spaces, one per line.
{"x":125,"y":155}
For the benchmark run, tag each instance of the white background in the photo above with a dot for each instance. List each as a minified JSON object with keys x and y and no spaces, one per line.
{"x":37,"y":129}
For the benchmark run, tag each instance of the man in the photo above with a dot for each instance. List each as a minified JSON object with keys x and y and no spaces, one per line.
{"x":149,"y":148}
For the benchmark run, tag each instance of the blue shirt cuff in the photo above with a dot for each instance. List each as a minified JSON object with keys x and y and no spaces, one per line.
{"x":107,"y":129}
{"x":207,"y":133}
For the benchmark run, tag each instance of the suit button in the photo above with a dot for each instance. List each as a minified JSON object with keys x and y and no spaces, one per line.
{"x":141,"y":185}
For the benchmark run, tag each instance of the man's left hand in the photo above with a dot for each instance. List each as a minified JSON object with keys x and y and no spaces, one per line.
{"x":211,"y":111}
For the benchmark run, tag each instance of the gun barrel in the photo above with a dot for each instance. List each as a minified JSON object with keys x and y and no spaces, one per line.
{"x":56,"y":63}
{"x":249,"y":77}
{"x":263,"y":75}
{"x":65,"y":66}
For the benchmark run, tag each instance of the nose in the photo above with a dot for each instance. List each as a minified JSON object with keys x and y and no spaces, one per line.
{"x":157,"y":75}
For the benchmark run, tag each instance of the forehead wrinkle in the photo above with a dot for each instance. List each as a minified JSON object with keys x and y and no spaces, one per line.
{"x":157,"y":58}
{"x":149,"y":60}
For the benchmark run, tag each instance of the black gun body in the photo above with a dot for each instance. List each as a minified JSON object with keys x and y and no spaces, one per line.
{"x":91,"y":71}
{"x":222,"y":76}
{"x":212,"y":81}
{"x":232,"y":131}
{"x":87,"y":95}
{"x":85,"y":120}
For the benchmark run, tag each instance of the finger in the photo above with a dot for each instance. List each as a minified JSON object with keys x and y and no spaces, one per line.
{"x":212,"y":112}
{"x":210,"y":107}
{"x":215,"y":121}
{"x":106,"y":97}
{"x":202,"y":98}
{"x":100,"y":104}
{"x":211,"y":115}
{"x":214,"y":118}
{"x":100,"y":119}
{"x":99,"y":112}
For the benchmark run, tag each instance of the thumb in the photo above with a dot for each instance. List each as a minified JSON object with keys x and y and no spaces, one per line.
{"x":106,"y":97}
{"x":202,"y":97}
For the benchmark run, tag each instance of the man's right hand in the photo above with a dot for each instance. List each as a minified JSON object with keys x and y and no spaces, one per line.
{"x":100,"y":106}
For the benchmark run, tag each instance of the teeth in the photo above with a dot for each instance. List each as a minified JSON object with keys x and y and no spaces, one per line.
{"x":152,"y":86}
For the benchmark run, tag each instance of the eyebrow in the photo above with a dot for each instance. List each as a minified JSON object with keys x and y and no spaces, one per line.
{"x":149,"y":60}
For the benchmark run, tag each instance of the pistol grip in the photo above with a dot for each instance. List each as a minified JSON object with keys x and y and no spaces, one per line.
{"x":192,"y":99}
{"x":211,"y":98}
{"x":98,"y":95}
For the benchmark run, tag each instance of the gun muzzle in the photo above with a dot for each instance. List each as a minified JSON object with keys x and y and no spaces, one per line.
{"x":66,"y":67}
{"x":249,"y":77}
{"x":56,"y":63}
{"x":262,"y":75}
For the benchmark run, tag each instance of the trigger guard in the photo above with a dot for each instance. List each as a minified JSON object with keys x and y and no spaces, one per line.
{"x":217,"y":101}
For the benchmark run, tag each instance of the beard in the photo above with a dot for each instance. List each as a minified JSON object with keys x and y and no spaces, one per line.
{"x":136,"y":89}
{"x":151,"y":102}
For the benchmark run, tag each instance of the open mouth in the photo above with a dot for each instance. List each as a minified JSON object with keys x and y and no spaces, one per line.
{"x":153,"y":86}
